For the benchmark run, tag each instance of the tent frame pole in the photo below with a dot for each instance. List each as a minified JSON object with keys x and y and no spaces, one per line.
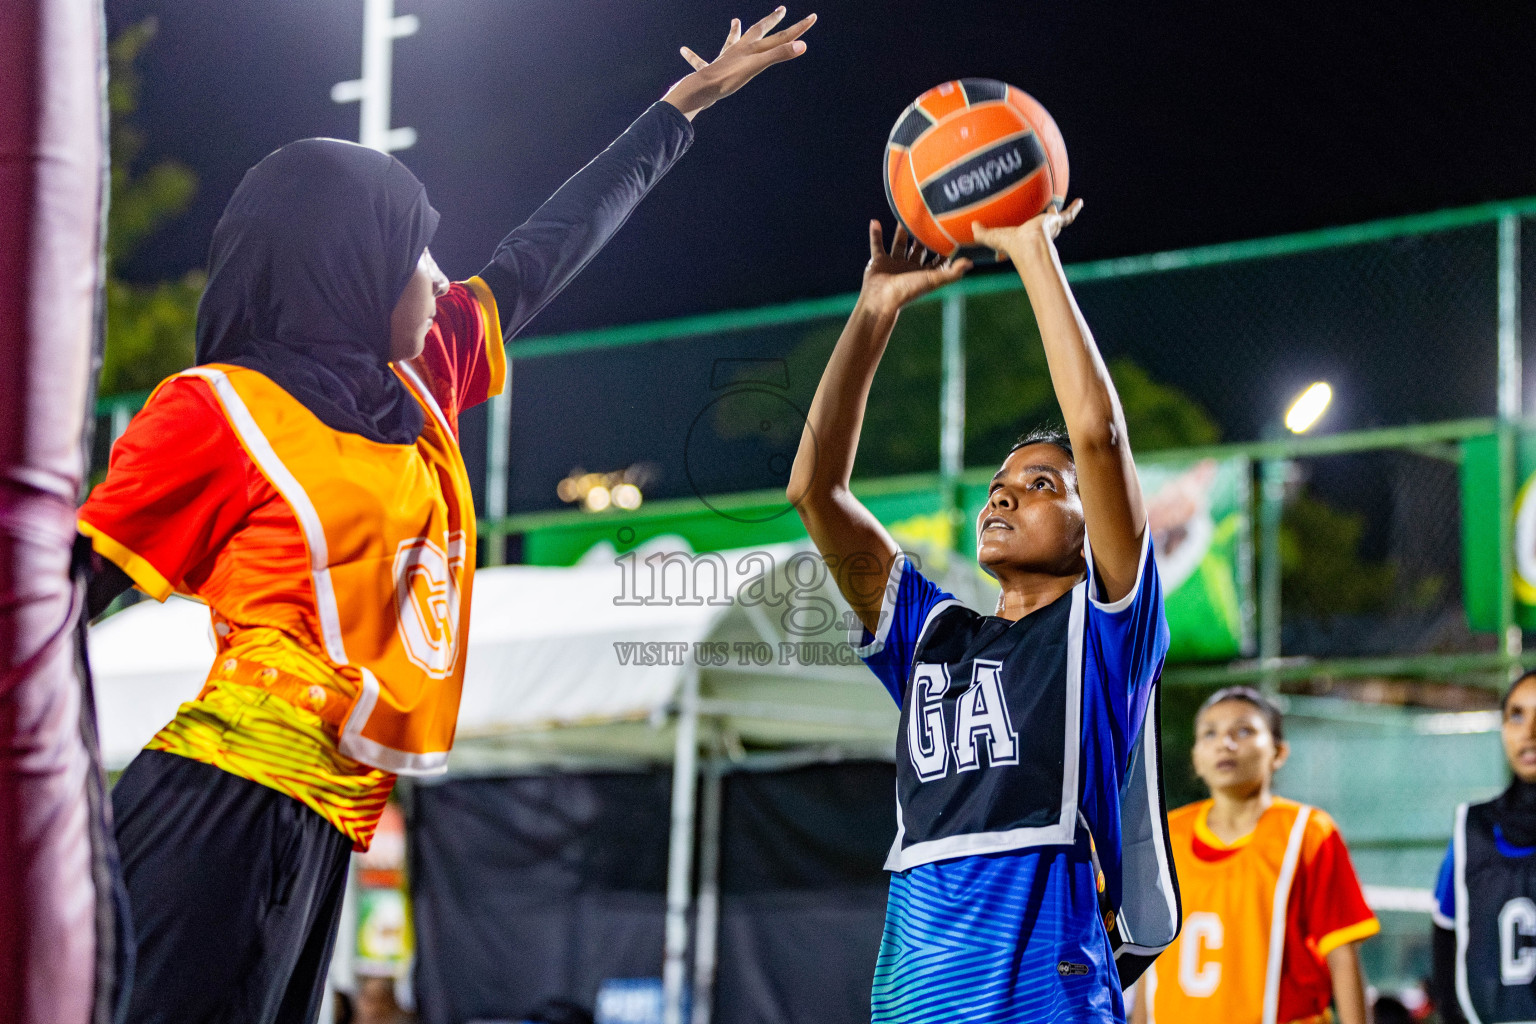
{"x":685,"y":765}
{"x":706,"y":934}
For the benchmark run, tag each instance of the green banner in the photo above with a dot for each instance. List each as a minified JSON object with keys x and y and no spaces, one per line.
{"x":1480,"y":531}
{"x":1199,"y":516}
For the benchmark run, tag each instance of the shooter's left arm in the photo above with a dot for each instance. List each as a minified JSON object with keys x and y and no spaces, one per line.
{"x":1348,"y":983}
{"x":1113,"y":508}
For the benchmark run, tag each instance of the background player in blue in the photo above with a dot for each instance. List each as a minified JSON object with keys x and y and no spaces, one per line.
{"x":1485,"y":921}
{"x":1031,"y":877}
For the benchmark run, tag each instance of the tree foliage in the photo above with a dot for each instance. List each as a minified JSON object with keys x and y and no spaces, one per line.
{"x":151,"y":328}
{"x":1322,"y":572}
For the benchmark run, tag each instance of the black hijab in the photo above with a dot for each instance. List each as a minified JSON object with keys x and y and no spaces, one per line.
{"x":307,"y":263}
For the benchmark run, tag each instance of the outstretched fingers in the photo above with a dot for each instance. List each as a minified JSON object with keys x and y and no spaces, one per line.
{"x":782,"y":52}
{"x":699,"y":63}
{"x":764,"y":26}
{"x":733,"y":36}
{"x":788,"y":35}
{"x":937,"y":277}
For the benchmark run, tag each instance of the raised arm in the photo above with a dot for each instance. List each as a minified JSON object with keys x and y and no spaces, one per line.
{"x":857,"y":548}
{"x":1113,"y":509}
{"x":540,"y":257}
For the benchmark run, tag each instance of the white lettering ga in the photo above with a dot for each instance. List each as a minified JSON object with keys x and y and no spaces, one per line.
{"x":1202,"y":930}
{"x":981,"y":718}
{"x":427,"y":601}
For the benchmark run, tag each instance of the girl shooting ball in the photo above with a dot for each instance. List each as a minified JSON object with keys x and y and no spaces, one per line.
{"x":1029,"y":876}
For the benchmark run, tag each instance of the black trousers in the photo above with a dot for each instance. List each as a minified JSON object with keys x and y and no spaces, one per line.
{"x":235,"y":893}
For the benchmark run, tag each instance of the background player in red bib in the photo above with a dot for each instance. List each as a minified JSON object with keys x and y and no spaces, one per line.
{"x":305,"y":482}
{"x":1272,"y":909}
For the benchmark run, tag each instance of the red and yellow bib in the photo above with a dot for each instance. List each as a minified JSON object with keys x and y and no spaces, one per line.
{"x":390,"y":535}
{"x":1261,"y":914}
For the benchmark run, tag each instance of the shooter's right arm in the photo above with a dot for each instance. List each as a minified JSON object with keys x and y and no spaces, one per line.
{"x":858,"y":550}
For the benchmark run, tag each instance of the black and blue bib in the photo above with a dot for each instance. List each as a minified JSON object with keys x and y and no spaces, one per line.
{"x":1495,"y":902}
{"x":1033,"y":736}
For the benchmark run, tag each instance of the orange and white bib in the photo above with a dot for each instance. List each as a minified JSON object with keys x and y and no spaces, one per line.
{"x":390,"y":534}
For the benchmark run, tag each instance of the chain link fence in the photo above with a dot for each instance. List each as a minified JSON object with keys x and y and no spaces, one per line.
{"x":1407,"y":320}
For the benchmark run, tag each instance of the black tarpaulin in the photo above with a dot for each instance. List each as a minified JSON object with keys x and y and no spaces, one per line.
{"x":536,"y":887}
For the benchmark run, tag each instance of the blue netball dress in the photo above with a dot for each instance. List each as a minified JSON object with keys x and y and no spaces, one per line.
{"x":1031,"y":875}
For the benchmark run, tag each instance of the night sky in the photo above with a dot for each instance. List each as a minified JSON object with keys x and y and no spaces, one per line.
{"x":1186,"y":123}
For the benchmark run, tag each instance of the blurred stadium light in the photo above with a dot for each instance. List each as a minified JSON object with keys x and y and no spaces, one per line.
{"x":1308,"y":408}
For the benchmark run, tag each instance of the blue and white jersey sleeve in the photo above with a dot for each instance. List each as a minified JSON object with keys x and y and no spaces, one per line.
{"x":1126,"y":641}
{"x":910,"y":598}
{"x":1445,"y":890}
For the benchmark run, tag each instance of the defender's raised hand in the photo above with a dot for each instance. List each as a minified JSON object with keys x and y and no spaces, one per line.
{"x":741,"y":59}
{"x":908,"y":272}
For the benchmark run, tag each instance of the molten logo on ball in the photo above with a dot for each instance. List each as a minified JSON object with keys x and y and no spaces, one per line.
{"x":981,"y":177}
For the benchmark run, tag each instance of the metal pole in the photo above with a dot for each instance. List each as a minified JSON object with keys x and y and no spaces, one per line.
{"x":497,"y":457}
{"x":685,"y":765}
{"x":1511,"y":384}
{"x":372,"y":92}
{"x":1510,"y":376}
{"x":952,"y":401}
{"x":706,"y":935}
{"x":1271,"y":504}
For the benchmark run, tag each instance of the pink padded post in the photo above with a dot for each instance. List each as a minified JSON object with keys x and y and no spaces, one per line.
{"x":50,"y":202}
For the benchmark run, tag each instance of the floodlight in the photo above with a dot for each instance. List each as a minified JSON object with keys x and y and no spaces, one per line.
{"x":1308,"y":407}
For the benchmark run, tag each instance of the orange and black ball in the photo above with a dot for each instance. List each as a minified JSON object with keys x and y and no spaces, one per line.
{"x":974,"y":149}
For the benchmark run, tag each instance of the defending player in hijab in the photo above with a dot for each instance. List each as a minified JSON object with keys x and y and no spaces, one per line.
{"x":1030,"y":877}
{"x":1485,"y":919}
{"x":305,"y":482}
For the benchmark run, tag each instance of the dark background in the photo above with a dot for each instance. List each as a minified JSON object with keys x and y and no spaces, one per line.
{"x":1186,"y":122}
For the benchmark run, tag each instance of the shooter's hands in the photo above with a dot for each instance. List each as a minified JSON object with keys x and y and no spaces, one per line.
{"x":741,"y":59}
{"x":1033,"y":236}
{"x":909,"y":271}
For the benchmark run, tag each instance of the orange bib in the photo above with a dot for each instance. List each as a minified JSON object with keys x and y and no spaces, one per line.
{"x":1227,"y":964}
{"x":390,"y":532}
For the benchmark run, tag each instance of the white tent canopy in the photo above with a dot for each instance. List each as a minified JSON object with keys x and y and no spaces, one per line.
{"x":557,"y":659}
